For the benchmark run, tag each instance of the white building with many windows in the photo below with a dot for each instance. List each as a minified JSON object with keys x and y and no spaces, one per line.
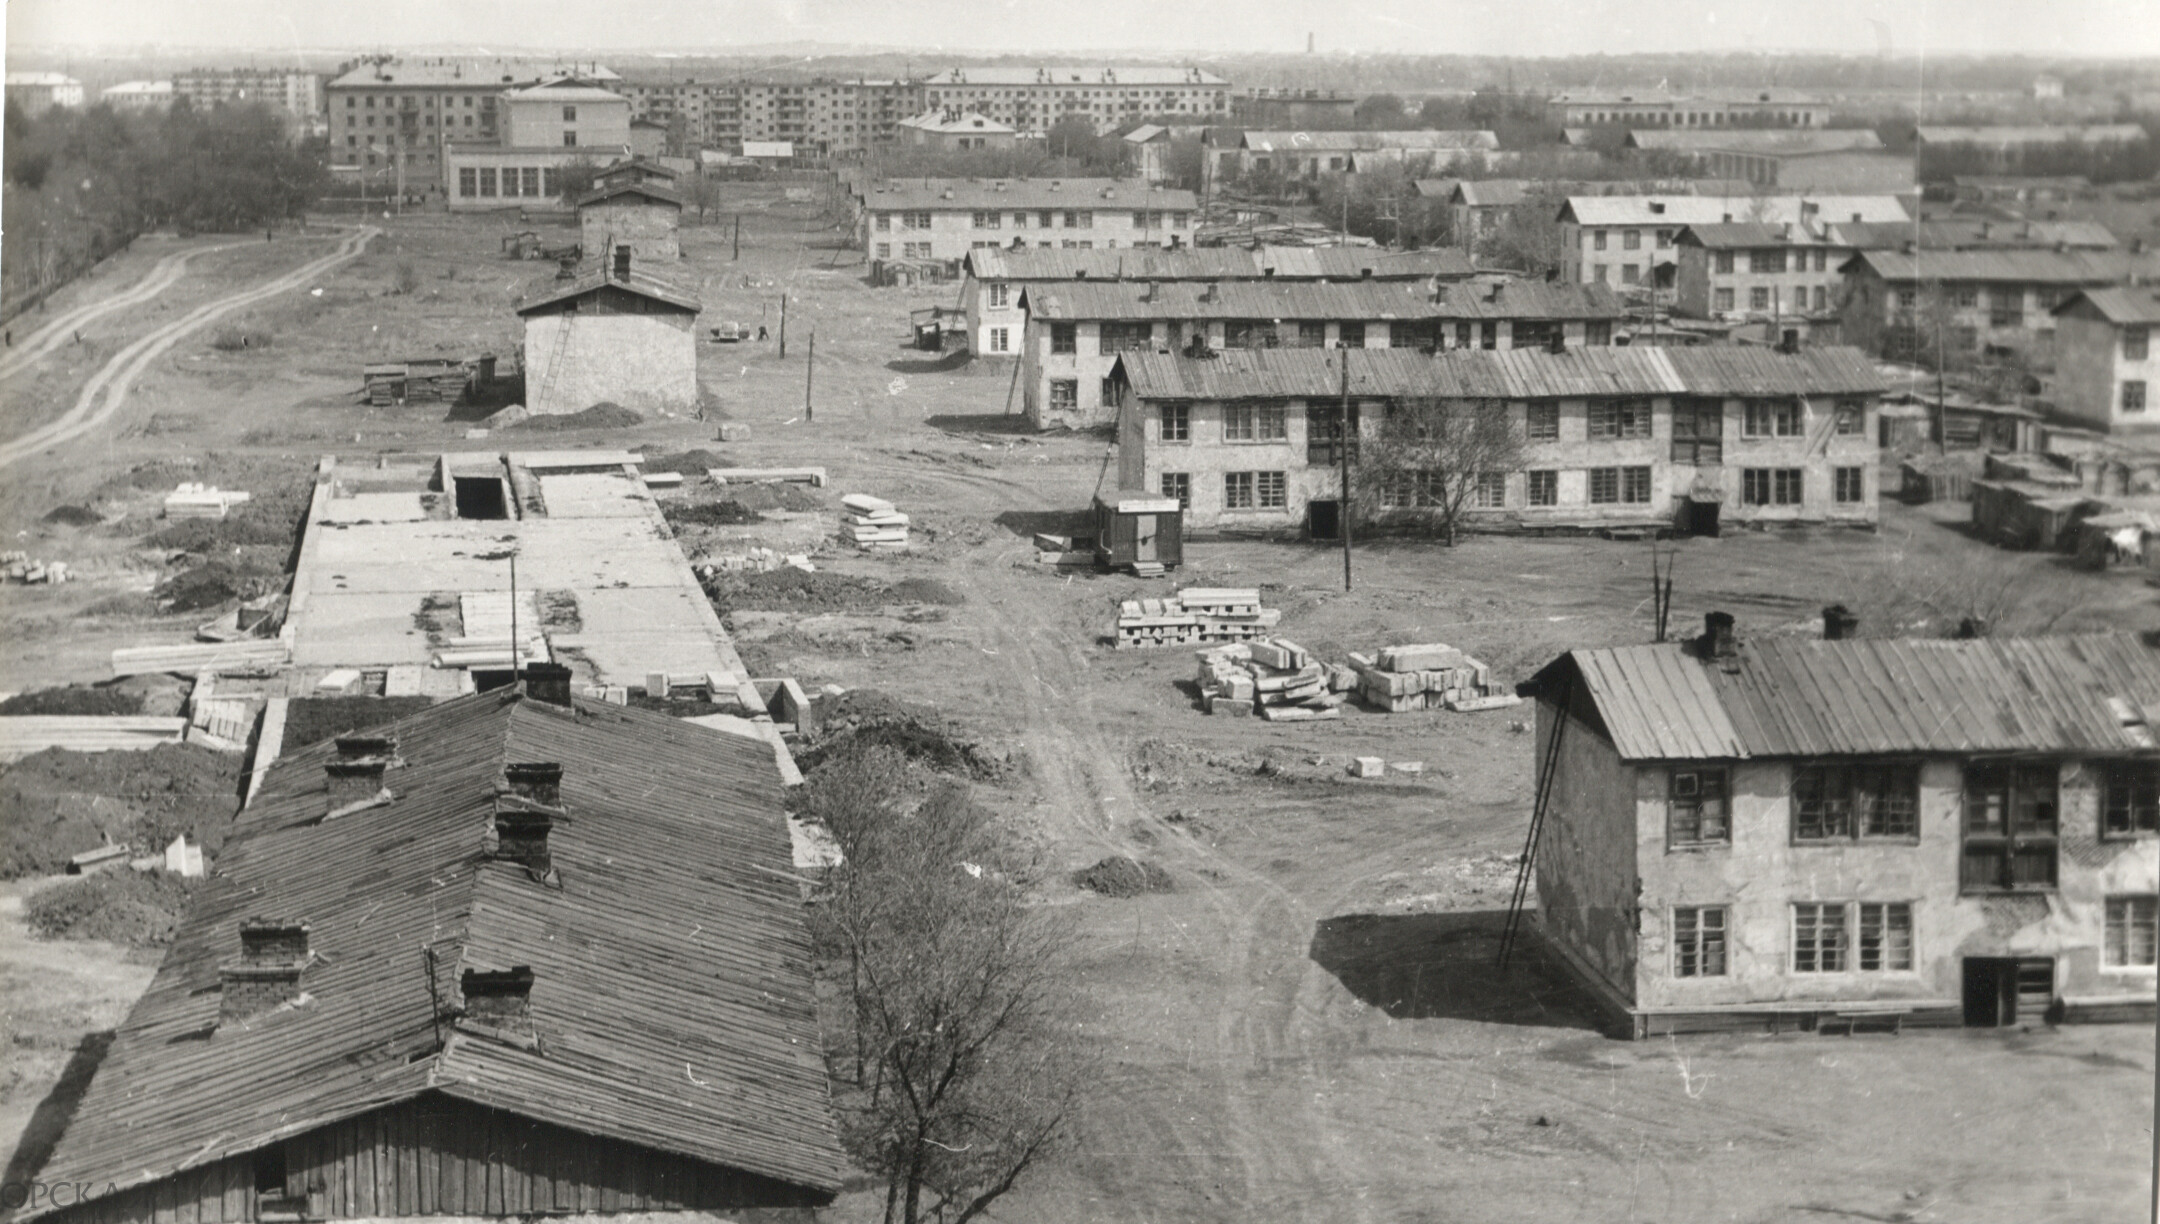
{"x":943,"y":219}
{"x":1032,"y":100}
{"x":1622,"y":240}
{"x":2106,"y":365}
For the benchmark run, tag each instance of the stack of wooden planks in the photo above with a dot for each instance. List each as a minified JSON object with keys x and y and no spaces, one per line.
{"x":1275,"y":678}
{"x":873,"y":523}
{"x":1194,"y":616}
{"x":200,"y":501}
{"x":23,"y":734}
{"x":266,"y":654}
{"x":1433,"y":676}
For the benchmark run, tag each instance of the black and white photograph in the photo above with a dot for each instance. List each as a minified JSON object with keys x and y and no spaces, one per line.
{"x":1011,"y":612}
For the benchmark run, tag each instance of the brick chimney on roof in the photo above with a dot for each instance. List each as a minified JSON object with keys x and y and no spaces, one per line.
{"x":273,"y":952}
{"x":1718,"y":640}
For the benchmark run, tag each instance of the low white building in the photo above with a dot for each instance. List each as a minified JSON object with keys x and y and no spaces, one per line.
{"x":955,"y":131}
{"x":944,"y":219}
{"x":138,"y":95}
{"x":38,"y":92}
{"x":616,"y":335}
{"x":2106,"y":368}
{"x":1621,"y":240}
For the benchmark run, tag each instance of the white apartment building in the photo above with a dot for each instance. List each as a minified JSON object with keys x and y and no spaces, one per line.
{"x":1032,"y":100}
{"x":944,"y":219}
{"x":1621,"y":240}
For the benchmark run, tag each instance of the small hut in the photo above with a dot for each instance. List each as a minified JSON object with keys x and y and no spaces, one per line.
{"x":1139,"y":530}
{"x":614,"y":335}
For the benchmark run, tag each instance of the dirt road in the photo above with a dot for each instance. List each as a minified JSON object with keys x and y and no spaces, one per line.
{"x":65,"y":326}
{"x":107,"y":390}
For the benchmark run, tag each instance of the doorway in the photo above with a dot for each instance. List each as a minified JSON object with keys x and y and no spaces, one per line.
{"x":480,"y":497}
{"x":1323,"y":520}
{"x":2003,"y":991}
{"x":1144,"y":537}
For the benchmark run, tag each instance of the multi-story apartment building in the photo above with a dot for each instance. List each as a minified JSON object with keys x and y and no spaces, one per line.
{"x":2106,"y":365}
{"x":1712,"y":108}
{"x":1031,"y":100}
{"x":1320,"y":110}
{"x":997,"y":277}
{"x":544,"y":127}
{"x":2002,"y":299}
{"x":1621,"y":240}
{"x":37,"y":92}
{"x":1640,"y":437}
{"x":943,"y":219}
{"x":1783,"y":277}
{"x":822,"y":117}
{"x":297,"y":93}
{"x":1077,"y":331}
{"x":393,"y":115}
{"x":1795,"y":833}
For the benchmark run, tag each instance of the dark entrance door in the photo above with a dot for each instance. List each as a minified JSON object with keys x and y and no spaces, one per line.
{"x":2002,"y":991}
{"x":1324,"y":519}
{"x":1702,"y":518}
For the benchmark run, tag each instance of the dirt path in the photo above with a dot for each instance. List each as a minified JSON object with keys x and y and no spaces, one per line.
{"x":114,"y":379}
{"x":59,"y":330}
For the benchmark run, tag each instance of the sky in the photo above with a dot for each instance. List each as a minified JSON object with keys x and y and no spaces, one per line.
{"x":1494,"y":27}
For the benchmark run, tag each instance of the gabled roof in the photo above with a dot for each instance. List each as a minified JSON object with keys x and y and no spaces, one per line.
{"x":946,"y":121}
{"x":1795,"y":698}
{"x":641,"y":283}
{"x":1757,"y":140}
{"x":660,"y":195}
{"x":1944,"y":233}
{"x":2118,"y":304}
{"x":640,"y":165}
{"x":1362,"y":300}
{"x":1284,"y":263}
{"x":1735,"y":234}
{"x":566,"y":89}
{"x":2031,"y":134}
{"x":1145,"y":133}
{"x":933,"y":195}
{"x":2047,"y":267}
{"x":1491,"y":193}
{"x":1367,"y":141}
{"x":1695,"y":210}
{"x":1744,"y":370}
{"x":466,"y":74}
{"x":666,"y":827}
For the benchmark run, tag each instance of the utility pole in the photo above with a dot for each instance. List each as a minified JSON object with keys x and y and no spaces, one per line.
{"x":738,"y":238}
{"x":783,"y":325}
{"x":1342,"y":450}
{"x":513,"y":619}
{"x":809,"y":372}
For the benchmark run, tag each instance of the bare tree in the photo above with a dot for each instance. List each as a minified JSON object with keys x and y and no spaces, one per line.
{"x":576,"y":178}
{"x":703,"y":193}
{"x":966,"y":1075}
{"x":1426,"y":462}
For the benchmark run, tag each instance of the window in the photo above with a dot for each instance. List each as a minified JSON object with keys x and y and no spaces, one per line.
{"x":1064,"y":394}
{"x":1819,"y":937}
{"x":998,"y":294}
{"x":1698,"y":431}
{"x":1695,"y":808}
{"x":1664,"y":239}
{"x":1310,"y":335}
{"x":1849,"y":484}
{"x":1176,"y":422}
{"x":468,"y":181}
{"x":1722,"y":300}
{"x":1840,"y":802}
{"x":1967,"y":296}
{"x":1597,"y":240}
{"x":1350,"y":335}
{"x":1064,"y":337}
{"x":1238,"y":490}
{"x":1630,"y":240}
{"x":2009,"y":826}
{"x":1770,"y":486}
{"x":1597,"y":333}
{"x":1886,"y":939}
{"x":1178,"y":485}
{"x":1489,"y":335}
{"x":1020,"y":220}
{"x":1758,"y":298}
{"x":1822,"y":262}
{"x":1770,"y":419}
{"x":915,"y":220}
{"x":1273,"y":489}
{"x":1079,"y":220}
{"x":1766,"y":261}
{"x":1543,"y":422}
{"x":1699,"y":941}
{"x":1724,"y":263}
{"x":1543,"y":488}
{"x":1822,"y":299}
{"x":569,"y":140}
{"x":988,"y":220}
{"x":1630,"y":274}
{"x":2137,"y":343}
{"x":2133,"y":933}
{"x":2130,"y":798}
{"x":1125,"y":337}
{"x":1000,"y":339}
{"x":2133,"y":395}
{"x":1491,"y":491}
{"x":532,"y":180}
{"x":1600,"y":272}
{"x":1324,"y":433}
{"x":487,"y":181}
{"x":569,"y":114}
{"x":916,"y":250}
{"x":1604,"y":486}
{"x":884,"y":250}
{"x":1249,"y":334}
{"x":1253,"y":423}
{"x":1615,"y":419}
{"x":1851,"y":419}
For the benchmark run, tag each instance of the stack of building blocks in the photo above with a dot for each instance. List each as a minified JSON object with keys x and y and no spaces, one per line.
{"x":1273,"y":677}
{"x":873,"y":523}
{"x":200,"y":501}
{"x":1194,"y":616}
{"x":1428,"y":677}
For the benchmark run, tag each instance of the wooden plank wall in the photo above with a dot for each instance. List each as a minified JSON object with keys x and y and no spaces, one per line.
{"x":439,"y":1156}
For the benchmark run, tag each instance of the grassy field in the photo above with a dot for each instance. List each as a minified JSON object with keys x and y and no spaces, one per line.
{"x":1307,"y":1027}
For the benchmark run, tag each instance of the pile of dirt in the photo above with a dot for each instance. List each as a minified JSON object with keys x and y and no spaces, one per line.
{"x":859,"y":719}
{"x":773,"y":495}
{"x":925,"y":591}
{"x":73,"y":516}
{"x":141,"y":908}
{"x":75,"y":700}
{"x":604,"y":415}
{"x":791,"y":590}
{"x":60,"y":803}
{"x":311,"y":720}
{"x":688,"y":463}
{"x":209,"y":585}
{"x":1118,"y":876}
{"x":709,"y":514}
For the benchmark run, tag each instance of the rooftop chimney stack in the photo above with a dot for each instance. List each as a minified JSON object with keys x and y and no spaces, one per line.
{"x":548,"y":682}
{"x":351,"y":781}
{"x":273,"y":952}
{"x":1839,"y":623}
{"x":539,"y":781}
{"x":1718,"y":641}
{"x":500,"y":999}
{"x":521,"y":835}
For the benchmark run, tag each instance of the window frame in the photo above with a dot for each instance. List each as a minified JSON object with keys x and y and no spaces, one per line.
{"x":1700,"y":947}
{"x":1541,"y":487}
{"x":2134,"y":398}
{"x":1852,"y":794}
{"x":2000,"y":785}
{"x":1624,"y":419}
{"x":2136,"y":343}
{"x":2129,"y":804}
{"x":1173,"y":423}
{"x":1255,"y":423}
{"x":1848,"y":485}
{"x":1888,"y":921}
{"x":1541,"y":421}
{"x":1064,"y":339}
{"x":1178,"y":485}
{"x":1695,"y":796}
{"x":1819,"y":946}
{"x":1771,"y":418}
{"x":1064,"y":393}
{"x":2121,"y":924}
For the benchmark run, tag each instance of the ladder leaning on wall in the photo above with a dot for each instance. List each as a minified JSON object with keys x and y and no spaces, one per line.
{"x":555,"y":359}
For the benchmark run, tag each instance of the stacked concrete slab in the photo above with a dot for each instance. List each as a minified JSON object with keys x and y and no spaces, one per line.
{"x":872,"y":523}
{"x":1194,"y":616}
{"x":1433,"y":676}
{"x":1274,"y":678}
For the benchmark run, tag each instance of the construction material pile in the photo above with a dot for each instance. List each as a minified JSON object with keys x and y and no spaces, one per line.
{"x":1195,"y":615}
{"x":873,"y":523}
{"x":1275,"y":678}
{"x":22,"y":567}
{"x":1429,"y":677}
{"x":200,"y":501}
{"x":759,"y":560}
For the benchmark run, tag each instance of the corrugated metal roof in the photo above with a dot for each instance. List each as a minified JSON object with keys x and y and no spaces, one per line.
{"x":1757,"y":140}
{"x":2117,"y":304}
{"x":1784,"y":698}
{"x":638,"y":282}
{"x":931,"y":195}
{"x":1681,"y":209}
{"x":1214,"y":263}
{"x":1263,"y":140}
{"x":1738,"y":234}
{"x":2027,"y":266}
{"x":648,"y":190}
{"x":1359,"y":299}
{"x":1492,"y":193}
{"x":1750,"y":370}
{"x":669,"y":944}
{"x":1951,"y":232}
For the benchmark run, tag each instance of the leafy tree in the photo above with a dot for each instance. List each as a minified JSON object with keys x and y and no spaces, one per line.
{"x":1421,"y":467}
{"x":1528,"y":238}
{"x":576,"y":178}
{"x":1380,"y":112}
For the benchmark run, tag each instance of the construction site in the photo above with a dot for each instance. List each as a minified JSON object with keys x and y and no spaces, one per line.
{"x":1323,"y":750}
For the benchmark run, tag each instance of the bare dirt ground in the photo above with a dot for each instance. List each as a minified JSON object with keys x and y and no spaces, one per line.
{"x":1308,"y":1027}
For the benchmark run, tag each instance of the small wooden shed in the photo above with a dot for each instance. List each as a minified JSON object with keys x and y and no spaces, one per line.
{"x":1139,"y":530}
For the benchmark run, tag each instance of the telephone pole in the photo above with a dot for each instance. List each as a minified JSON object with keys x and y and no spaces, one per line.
{"x":809,"y":372}
{"x":783,"y":325}
{"x":1342,"y":451}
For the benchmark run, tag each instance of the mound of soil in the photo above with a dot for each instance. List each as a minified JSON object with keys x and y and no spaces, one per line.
{"x":73,"y":516}
{"x":924,"y":591}
{"x":209,"y":585}
{"x":76,"y":701}
{"x":1118,"y":876}
{"x":709,"y":514}
{"x":60,"y":803}
{"x":774,"y":495}
{"x":141,"y":908}
{"x":311,"y":720}
{"x":861,"y":718}
{"x":791,"y":590}
{"x":604,"y":415}
{"x":688,"y":463}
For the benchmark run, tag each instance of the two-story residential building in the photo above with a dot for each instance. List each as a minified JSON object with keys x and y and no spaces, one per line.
{"x":1611,"y":437}
{"x":1077,"y":330}
{"x":2000,"y":299}
{"x":1780,"y":278}
{"x":1622,"y":240}
{"x":943,"y":219}
{"x":1032,"y":100}
{"x":2106,"y":366}
{"x":992,"y":293}
{"x":1793,"y":832}
{"x":955,"y":131}
{"x":1308,"y":155}
{"x":390,"y":117}
{"x":544,"y":128}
